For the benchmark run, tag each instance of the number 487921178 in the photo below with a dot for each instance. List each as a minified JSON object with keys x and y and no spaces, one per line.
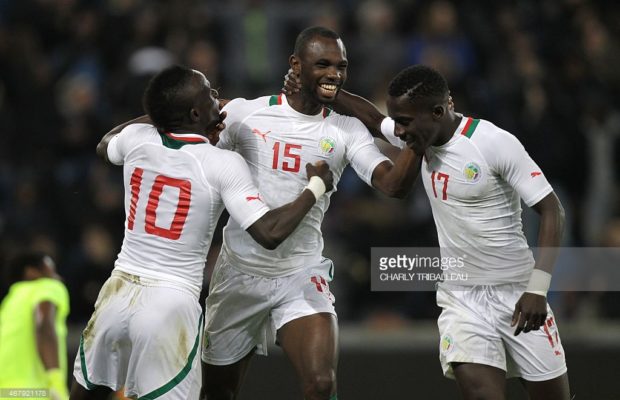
{"x":438,"y":176}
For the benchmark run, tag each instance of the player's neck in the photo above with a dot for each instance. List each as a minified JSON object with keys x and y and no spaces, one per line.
{"x":304,"y":104}
{"x":184,"y":129}
{"x":449,"y":126}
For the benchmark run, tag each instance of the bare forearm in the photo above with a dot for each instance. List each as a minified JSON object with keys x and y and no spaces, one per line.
{"x":47,"y":345}
{"x":103,"y":144}
{"x":276,"y":225}
{"x":143,"y":119}
{"x":362,"y":109}
{"x":549,"y":232}
{"x":397,"y":180}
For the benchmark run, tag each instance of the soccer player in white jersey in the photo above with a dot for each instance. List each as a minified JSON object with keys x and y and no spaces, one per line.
{"x":475,"y":175}
{"x":256,"y":294}
{"x":144,"y":334}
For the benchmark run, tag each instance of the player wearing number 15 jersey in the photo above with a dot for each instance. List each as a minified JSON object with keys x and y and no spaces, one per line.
{"x":145,"y":332}
{"x":256,"y":293}
{"x":475,"y":175}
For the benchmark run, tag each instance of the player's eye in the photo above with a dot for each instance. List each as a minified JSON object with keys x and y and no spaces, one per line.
{"x":215,"y":93}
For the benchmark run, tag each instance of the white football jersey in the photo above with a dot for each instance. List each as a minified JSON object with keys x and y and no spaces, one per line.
{"x":474,"y":183}
{"x":176,"y":186}
{"x":277,"y":142}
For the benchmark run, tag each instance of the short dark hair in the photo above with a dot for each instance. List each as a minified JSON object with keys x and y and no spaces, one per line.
{"x":419,"y":82}
{"x":166,"y":99}
{"x":310,"y":33}
{"x":18,"y":264}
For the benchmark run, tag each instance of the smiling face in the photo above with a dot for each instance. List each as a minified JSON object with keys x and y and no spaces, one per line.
{"x":417,"y":123}
{"x":322,"y":68}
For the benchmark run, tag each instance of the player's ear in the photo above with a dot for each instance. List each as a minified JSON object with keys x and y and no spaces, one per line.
{"x":438,"y":111}
{"x":194,"y":115}
{"x":295,"y":64}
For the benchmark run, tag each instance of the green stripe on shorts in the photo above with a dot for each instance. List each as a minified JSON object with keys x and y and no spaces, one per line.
{"x":181,"y":375}
{"x":89,"y":384}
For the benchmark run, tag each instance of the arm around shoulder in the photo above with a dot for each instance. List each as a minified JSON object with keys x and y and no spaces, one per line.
{"x":362,"y":109}
{"x":102,"y":147}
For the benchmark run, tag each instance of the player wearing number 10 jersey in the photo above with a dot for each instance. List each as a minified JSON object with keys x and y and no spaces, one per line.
{"x":145,"y":332}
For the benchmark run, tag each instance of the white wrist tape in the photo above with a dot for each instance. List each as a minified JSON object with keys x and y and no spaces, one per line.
{"x":316,"y":186}
{"x":387,"y":129}
{"x":387,"y":126}
{"x":539,"y":282}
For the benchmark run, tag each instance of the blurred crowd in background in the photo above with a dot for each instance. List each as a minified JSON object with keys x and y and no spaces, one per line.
{"x":548,"y":71}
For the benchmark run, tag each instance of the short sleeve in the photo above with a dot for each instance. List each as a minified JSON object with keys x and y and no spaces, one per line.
{"x":53,"y":291}
{"x":362,"y":152}
{"x":131,"y":136}
{"x":387,"y":129}
{"x":240,"y":195}
{"x":235,"y":113}
{"x":508,"y":158}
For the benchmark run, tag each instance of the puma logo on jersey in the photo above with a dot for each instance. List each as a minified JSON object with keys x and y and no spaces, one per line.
{"x":261,"y":134}
{"x":535,"y":174}
{"x":257,"y":197}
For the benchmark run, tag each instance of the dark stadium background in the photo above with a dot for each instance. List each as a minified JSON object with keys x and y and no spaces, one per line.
{"x":546,"y":70}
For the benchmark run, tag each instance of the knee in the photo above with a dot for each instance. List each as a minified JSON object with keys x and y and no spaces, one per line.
{"x":320,"y":385}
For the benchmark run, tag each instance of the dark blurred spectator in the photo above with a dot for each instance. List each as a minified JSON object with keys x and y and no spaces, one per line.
{"x":376,"y":36}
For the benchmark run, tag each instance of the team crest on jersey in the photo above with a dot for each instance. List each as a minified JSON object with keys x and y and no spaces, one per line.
{"x":327,"y":146}
{"x":472,"y":172}
{"x":447,"y":344}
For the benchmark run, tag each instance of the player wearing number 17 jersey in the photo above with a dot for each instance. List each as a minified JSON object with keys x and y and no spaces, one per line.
{"x":255,"y":292}
{"x":145,"y":332}
{"x":475,"y":175}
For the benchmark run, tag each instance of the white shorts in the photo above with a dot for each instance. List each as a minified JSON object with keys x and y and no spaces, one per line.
{"x":474,"y":327}
{"x":143,"y":336}
{"x":245,"y":311}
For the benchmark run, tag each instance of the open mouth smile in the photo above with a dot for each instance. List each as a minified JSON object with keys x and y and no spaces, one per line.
{"x":328,"y":89}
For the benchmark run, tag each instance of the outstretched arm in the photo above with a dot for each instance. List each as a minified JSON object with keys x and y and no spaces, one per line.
{"x":102,"y":147}
{"x":362,"y":109}
{"x":531,"y":309}
{"x":346,"y":104}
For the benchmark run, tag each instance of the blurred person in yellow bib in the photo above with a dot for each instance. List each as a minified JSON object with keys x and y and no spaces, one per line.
{"x":33,"y":332}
